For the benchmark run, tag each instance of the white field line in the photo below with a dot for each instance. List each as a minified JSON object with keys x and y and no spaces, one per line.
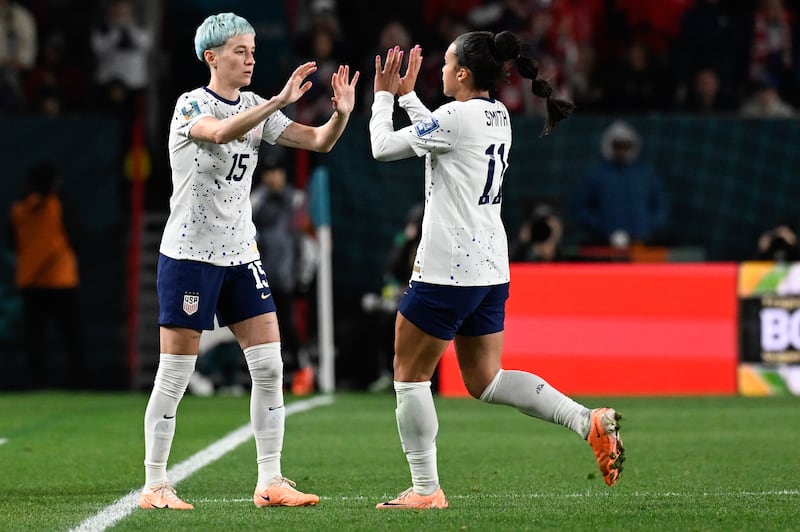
{"x":124,"y":506}
{"x":555,"y":495}
{"x":3,"y":440}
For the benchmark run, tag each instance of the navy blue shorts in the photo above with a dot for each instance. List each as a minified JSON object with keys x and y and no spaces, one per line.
{"x":444,"y":311}
{"x":191,"y":292}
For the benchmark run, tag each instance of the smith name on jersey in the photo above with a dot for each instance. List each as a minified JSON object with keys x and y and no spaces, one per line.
{"x":466,"y":146}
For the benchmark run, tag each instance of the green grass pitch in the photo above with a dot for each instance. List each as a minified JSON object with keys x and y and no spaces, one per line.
{"x":693,"y":463}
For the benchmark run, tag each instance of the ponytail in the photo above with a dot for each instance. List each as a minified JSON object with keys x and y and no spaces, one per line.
{"x":508,"y":47}
{"x":487,"y":68}
{"x":557,"y":109}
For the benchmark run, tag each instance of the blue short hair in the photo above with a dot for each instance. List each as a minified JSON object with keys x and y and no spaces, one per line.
{"x":217,"y":29}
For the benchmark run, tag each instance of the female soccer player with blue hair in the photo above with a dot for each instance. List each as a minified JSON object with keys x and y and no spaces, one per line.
{"x":460,"y":278}
{"x":209,"y":263}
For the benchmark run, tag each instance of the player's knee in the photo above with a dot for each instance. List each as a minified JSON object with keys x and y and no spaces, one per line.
{"x":477,"y":384}
{"x":266,"y":368}
{"x":264,"y":362}
{"x":475,"y":387}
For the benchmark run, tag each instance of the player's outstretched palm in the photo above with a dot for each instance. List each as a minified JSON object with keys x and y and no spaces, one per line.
{"x":408,"y":81}
{"x":387,"y":78}
{"x":295,"y":87}
{"x":344,"y":90}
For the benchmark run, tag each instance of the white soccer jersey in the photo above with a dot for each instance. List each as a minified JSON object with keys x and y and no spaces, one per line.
{"x":210,"y":217}
{"x":466,"y":146}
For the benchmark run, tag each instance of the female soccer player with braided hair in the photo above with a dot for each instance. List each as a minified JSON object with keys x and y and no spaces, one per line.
{"x":209,"y":262}
{"x":460,"y":278}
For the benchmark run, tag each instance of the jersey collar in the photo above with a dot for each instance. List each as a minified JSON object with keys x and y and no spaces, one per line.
{"x":220,"y":98}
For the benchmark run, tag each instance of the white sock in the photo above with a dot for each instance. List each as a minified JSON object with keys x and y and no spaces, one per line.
{"x":418,"y":426}
{"x":171,"y":380}
{"x":533,"y":396}
{"x":267,"y":413}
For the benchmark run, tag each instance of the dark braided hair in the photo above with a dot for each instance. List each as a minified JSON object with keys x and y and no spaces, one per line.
{"x":485,"y":55}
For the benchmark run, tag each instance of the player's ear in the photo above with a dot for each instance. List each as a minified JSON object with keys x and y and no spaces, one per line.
{"x":462,"y":74}
{"x":210,"y":57}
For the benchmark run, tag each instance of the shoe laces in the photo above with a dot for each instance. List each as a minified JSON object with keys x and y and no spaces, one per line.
{"x":406,"y":494}
{"x":283,"y":481}
{"x":167,"y":491}
{"x":609,"y":423}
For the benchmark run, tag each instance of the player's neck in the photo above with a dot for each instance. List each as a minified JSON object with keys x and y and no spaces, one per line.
{"x":468,"y":94}
{"x":223,"y":90}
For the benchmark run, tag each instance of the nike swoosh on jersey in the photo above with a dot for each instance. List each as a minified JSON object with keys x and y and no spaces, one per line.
{"x":265,"y":296}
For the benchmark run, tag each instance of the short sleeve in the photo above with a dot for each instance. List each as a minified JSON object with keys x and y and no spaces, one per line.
{"x":188,"y":111}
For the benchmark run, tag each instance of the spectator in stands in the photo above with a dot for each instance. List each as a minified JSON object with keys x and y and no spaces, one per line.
{"x":771,"y":54}
{"x":280,"y":215}
{"x":121,"y":46}
{"x":621,"y":200}
{"x":706,"y":96}
{"x":47,"y":276}
{"x":18,"y":49}
{"x":585,"y":83}
{"x":321,"y":17}
{"x":56,"y":85}
{"x":539,"y":238}
{"x":713,"y":33}
{"x":638,"y":82}
{"x":766,"y":102}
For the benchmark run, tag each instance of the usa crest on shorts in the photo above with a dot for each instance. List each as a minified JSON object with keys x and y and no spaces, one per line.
{"x":191,"y":302}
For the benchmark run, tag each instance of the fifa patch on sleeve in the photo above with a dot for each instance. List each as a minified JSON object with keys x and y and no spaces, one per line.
{"x":190,"y":110}
{"x":427,"y":126}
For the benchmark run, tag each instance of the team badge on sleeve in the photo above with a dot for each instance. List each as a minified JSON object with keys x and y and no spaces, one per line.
{"x":190,"y":110}
{"x":428,"y":125}
{"x":191,"y":301}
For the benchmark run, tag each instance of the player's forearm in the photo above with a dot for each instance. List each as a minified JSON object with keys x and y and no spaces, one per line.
{"x":233,"y":127}
{"x":329,"y":133}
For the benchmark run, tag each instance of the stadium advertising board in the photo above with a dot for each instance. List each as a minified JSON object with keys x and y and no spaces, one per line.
{"x":665,"y":329}
{"x":769,"y":328}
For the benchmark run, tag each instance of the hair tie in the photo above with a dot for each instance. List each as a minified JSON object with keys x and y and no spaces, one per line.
{"x":526,"y":67}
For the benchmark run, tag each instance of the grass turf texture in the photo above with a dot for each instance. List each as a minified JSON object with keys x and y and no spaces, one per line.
{"x":716,"y":463}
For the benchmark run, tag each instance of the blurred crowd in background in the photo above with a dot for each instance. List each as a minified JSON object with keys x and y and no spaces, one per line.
{"x":632,"y":56}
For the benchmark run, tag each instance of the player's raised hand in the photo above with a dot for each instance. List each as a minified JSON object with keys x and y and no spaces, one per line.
{"x":387,"y":78}
{"x":408,"y":81}
{"x":295,"y":87}
{"x":344,"y":90}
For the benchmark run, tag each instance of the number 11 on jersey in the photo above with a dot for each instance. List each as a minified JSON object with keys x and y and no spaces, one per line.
{"x":485,"y":199}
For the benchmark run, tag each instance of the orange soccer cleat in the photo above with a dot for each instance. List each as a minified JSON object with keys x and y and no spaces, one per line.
{"x":409,"y":499}
{"x":162,"y":497}
{"x":606,"y":443}
{"x":282,"y":493}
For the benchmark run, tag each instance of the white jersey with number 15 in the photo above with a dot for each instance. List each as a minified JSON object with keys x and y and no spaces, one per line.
{"x":210,"y":216}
